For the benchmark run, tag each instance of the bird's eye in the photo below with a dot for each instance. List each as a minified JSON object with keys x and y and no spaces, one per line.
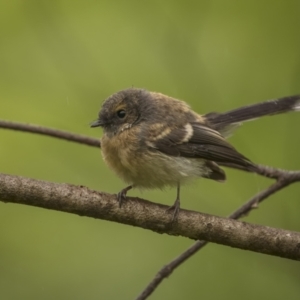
{"x":121,"y":113}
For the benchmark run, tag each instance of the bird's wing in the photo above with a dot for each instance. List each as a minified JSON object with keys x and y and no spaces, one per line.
{"x":195,"y":140}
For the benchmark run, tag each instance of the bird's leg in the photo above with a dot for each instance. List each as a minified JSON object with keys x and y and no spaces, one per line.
{"x":122,"y":194}
{"x":176,"y":205}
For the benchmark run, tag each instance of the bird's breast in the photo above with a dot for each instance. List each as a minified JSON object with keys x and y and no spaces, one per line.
{"x":143,"y":167}
{"x":120,"y":152}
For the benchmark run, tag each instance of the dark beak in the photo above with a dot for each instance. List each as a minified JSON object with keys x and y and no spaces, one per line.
{"x":96,"y":123}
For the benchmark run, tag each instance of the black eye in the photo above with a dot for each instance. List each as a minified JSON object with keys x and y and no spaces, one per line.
{"x":121,"y":113}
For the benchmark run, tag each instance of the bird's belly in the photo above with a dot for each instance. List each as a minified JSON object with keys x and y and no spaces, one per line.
{"x":161,"y":170}
{"x":148,"y":168}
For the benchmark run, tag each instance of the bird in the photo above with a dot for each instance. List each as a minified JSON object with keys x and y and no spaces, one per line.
{"x":151,"y":140}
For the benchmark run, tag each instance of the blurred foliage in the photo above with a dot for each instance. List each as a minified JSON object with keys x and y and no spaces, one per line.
{"x":60,"y":59}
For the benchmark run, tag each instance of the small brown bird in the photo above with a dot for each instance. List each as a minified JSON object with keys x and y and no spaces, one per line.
{"x":152,"y":140}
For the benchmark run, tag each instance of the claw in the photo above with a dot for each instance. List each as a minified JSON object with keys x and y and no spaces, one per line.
{"x":176,"y":205}
{"x":121,"y":196}
{"x":176,"y":208}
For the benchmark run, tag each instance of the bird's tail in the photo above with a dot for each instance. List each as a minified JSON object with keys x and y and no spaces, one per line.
{"x":226,"y":122}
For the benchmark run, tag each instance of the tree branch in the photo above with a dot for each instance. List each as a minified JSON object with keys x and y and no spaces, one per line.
{"x":142,"y":213}
{"x":265,"y":171}
{"x":168,"y":269}
{"x":64,"y":135}
{"x":138,"y":212}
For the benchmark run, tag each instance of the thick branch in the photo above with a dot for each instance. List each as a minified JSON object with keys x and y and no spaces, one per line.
{"x":148,"y":215}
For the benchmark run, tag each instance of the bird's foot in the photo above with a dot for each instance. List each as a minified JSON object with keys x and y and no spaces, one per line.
{"x":176,"y":208}
{"x":121,"y":196}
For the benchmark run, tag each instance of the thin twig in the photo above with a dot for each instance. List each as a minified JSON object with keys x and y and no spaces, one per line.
{"x":284,"y":178}
{"x":265,"y":171}
{"x":72,"y":137}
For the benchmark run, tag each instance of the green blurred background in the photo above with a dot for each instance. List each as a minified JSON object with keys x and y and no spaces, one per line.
{"x":60,"y":59}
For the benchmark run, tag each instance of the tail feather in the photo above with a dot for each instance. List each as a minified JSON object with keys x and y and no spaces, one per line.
{"x":222,"y":121}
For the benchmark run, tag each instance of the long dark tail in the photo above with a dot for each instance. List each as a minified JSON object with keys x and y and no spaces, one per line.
{"x":223,"y":121}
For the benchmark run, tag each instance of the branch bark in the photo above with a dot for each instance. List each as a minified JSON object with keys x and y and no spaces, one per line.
{"x":142,"y":213}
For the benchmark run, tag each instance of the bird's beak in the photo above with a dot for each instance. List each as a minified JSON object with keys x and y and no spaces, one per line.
{"x":97,"y":123}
